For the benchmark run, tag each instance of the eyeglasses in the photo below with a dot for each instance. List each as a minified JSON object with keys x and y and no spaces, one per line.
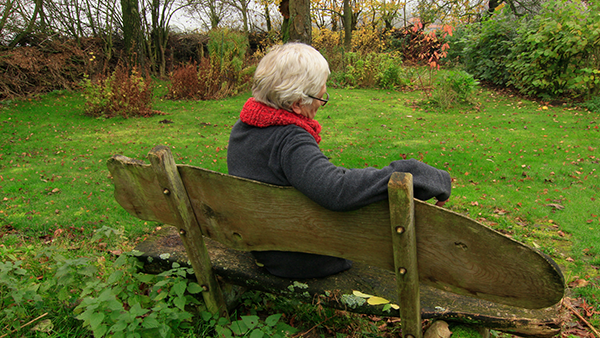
{"x":321,"y":99}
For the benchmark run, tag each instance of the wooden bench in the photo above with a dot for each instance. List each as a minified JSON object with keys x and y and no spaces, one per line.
{"x":431,"y":262}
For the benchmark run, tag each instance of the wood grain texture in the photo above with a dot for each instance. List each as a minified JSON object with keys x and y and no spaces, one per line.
{"x":404,"y":243}
{"x":174,"y":193}
{"x":455,"y":253}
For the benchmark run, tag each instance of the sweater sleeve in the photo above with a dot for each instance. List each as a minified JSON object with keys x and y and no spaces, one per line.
{"x":340,"y":189}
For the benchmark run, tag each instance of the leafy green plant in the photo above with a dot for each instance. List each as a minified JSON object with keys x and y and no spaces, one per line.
{"x":554,"y":53}
{"x":253,"y":327}
{"x":592,"y":105}
{"x":227,"y":48}
{"x":126,"y":305}
{"x":484,"y":48}
{"x":454,"y":87}
{"x":18,"y":293}
{"x":371,"y":70}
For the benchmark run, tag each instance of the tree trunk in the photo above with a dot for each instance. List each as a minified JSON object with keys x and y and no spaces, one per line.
{"x":300,"y":24}
{"x":132,"y":33}
{"x":347,"y":25}
{"x":284,"y":9}
{"x":268,"y":17}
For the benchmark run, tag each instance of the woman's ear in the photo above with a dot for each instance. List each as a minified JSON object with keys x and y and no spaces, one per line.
{"x":297,"y":108}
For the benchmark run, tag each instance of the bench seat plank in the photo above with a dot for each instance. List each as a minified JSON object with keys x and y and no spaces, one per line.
{"x":454,"y":254}
{"x":239,"y":268}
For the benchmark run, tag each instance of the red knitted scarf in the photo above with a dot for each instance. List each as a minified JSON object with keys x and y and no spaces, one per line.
{"x":260,"y":115}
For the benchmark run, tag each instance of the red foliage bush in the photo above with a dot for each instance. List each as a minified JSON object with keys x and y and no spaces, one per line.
{"x":184,"y":82}
{"x":207,"y":80}
{"x":125,"y":93}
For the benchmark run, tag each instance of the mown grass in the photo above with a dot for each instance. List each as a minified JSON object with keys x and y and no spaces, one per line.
{"x":524,"y":168}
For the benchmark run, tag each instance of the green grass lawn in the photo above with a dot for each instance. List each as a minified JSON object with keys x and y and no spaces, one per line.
{"x":526,"y":169}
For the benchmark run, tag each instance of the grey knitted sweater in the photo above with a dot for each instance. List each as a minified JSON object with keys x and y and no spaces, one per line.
{"x":290,"y":156}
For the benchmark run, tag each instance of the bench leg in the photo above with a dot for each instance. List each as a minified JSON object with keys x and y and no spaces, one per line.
{"x":167,"y":174}
{"x":404,"y":240}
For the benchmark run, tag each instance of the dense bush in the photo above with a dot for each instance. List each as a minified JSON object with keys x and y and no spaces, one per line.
{"x":484,"y":48}
{"x":224,"y":73}
{"x":125,"y":93}
{"x":453,"y":87}
{"x":556,"y":53}
{"x":552,"y":54}
{"x":382,"y":70}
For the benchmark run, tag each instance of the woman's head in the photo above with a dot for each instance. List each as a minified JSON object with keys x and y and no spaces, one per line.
{"x":289,"y":74}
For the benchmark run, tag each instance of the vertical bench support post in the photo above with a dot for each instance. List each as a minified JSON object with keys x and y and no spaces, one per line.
{"x":404,"y":239}
{"x":165,"y":168}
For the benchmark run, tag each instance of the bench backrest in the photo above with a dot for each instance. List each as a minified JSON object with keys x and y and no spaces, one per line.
{"x":454,"y":253}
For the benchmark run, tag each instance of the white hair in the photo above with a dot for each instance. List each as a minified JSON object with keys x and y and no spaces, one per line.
{"x":289,"y":73}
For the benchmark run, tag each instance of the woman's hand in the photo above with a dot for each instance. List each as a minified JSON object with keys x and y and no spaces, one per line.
{"x":441,"y":203}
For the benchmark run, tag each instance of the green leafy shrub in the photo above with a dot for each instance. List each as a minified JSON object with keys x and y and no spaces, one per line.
{"x":453,"y":87}
{"x":556,"y":52}
{"x":133,"y":304}
{"x":227,"y":48}
{"x":484,"y":48}
{"x":592,"y":105}
{"x":250,"y":326}
{"x":18,"y":293}
{"x":125,"y":93}
{"x":371,"y":70}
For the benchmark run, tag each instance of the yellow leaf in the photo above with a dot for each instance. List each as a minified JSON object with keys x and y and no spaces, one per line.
{"x":377,"y":301}
{"x":360,"y":294}
{"x":394,"y":306}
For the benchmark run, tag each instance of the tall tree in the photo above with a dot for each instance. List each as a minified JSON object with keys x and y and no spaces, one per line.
{"x":347,"y":25}
{"x":161,"y":13}
{"x":133,"y":38}
{"x":209,"y":12}
{"x":38,"y":11}
{"x":284,"y":9}
{"x":300,"y":25}
{"x":242,"y":6}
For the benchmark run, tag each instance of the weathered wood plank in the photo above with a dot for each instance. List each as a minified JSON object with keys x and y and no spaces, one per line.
{"x":175,"y":195}
{"x":404,"y":242}
{"x":455,"y":253}
{"x":336,"y":291}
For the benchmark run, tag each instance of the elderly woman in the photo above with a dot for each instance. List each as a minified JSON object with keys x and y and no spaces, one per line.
{"x":276,"y":141}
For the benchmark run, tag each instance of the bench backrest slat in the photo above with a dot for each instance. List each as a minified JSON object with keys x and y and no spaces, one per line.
{"x":455,"y":253}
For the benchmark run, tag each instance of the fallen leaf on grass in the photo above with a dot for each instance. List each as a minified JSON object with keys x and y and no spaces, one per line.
{"x":579,"y":283}
{"x":555,"y":206}
{"x":44,"y":326}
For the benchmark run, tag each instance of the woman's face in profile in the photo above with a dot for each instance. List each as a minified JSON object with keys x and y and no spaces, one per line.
{"x":310,"y":110}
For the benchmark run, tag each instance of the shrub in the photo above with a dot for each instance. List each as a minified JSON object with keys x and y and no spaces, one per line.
{"x":330,"y":44}
{"x":483,"y":48}
{"x":125,"y":93}
{"x":227,"y":49}
{"x":453,"y":87}
{"x":220,"y":75}
{"x":556,"y":51}
{"x":366,"y":40}
{"x":592,"y":105}
{"x":371,"y":70}
{"x":184,"y":82}
{"x":417,"y":46}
